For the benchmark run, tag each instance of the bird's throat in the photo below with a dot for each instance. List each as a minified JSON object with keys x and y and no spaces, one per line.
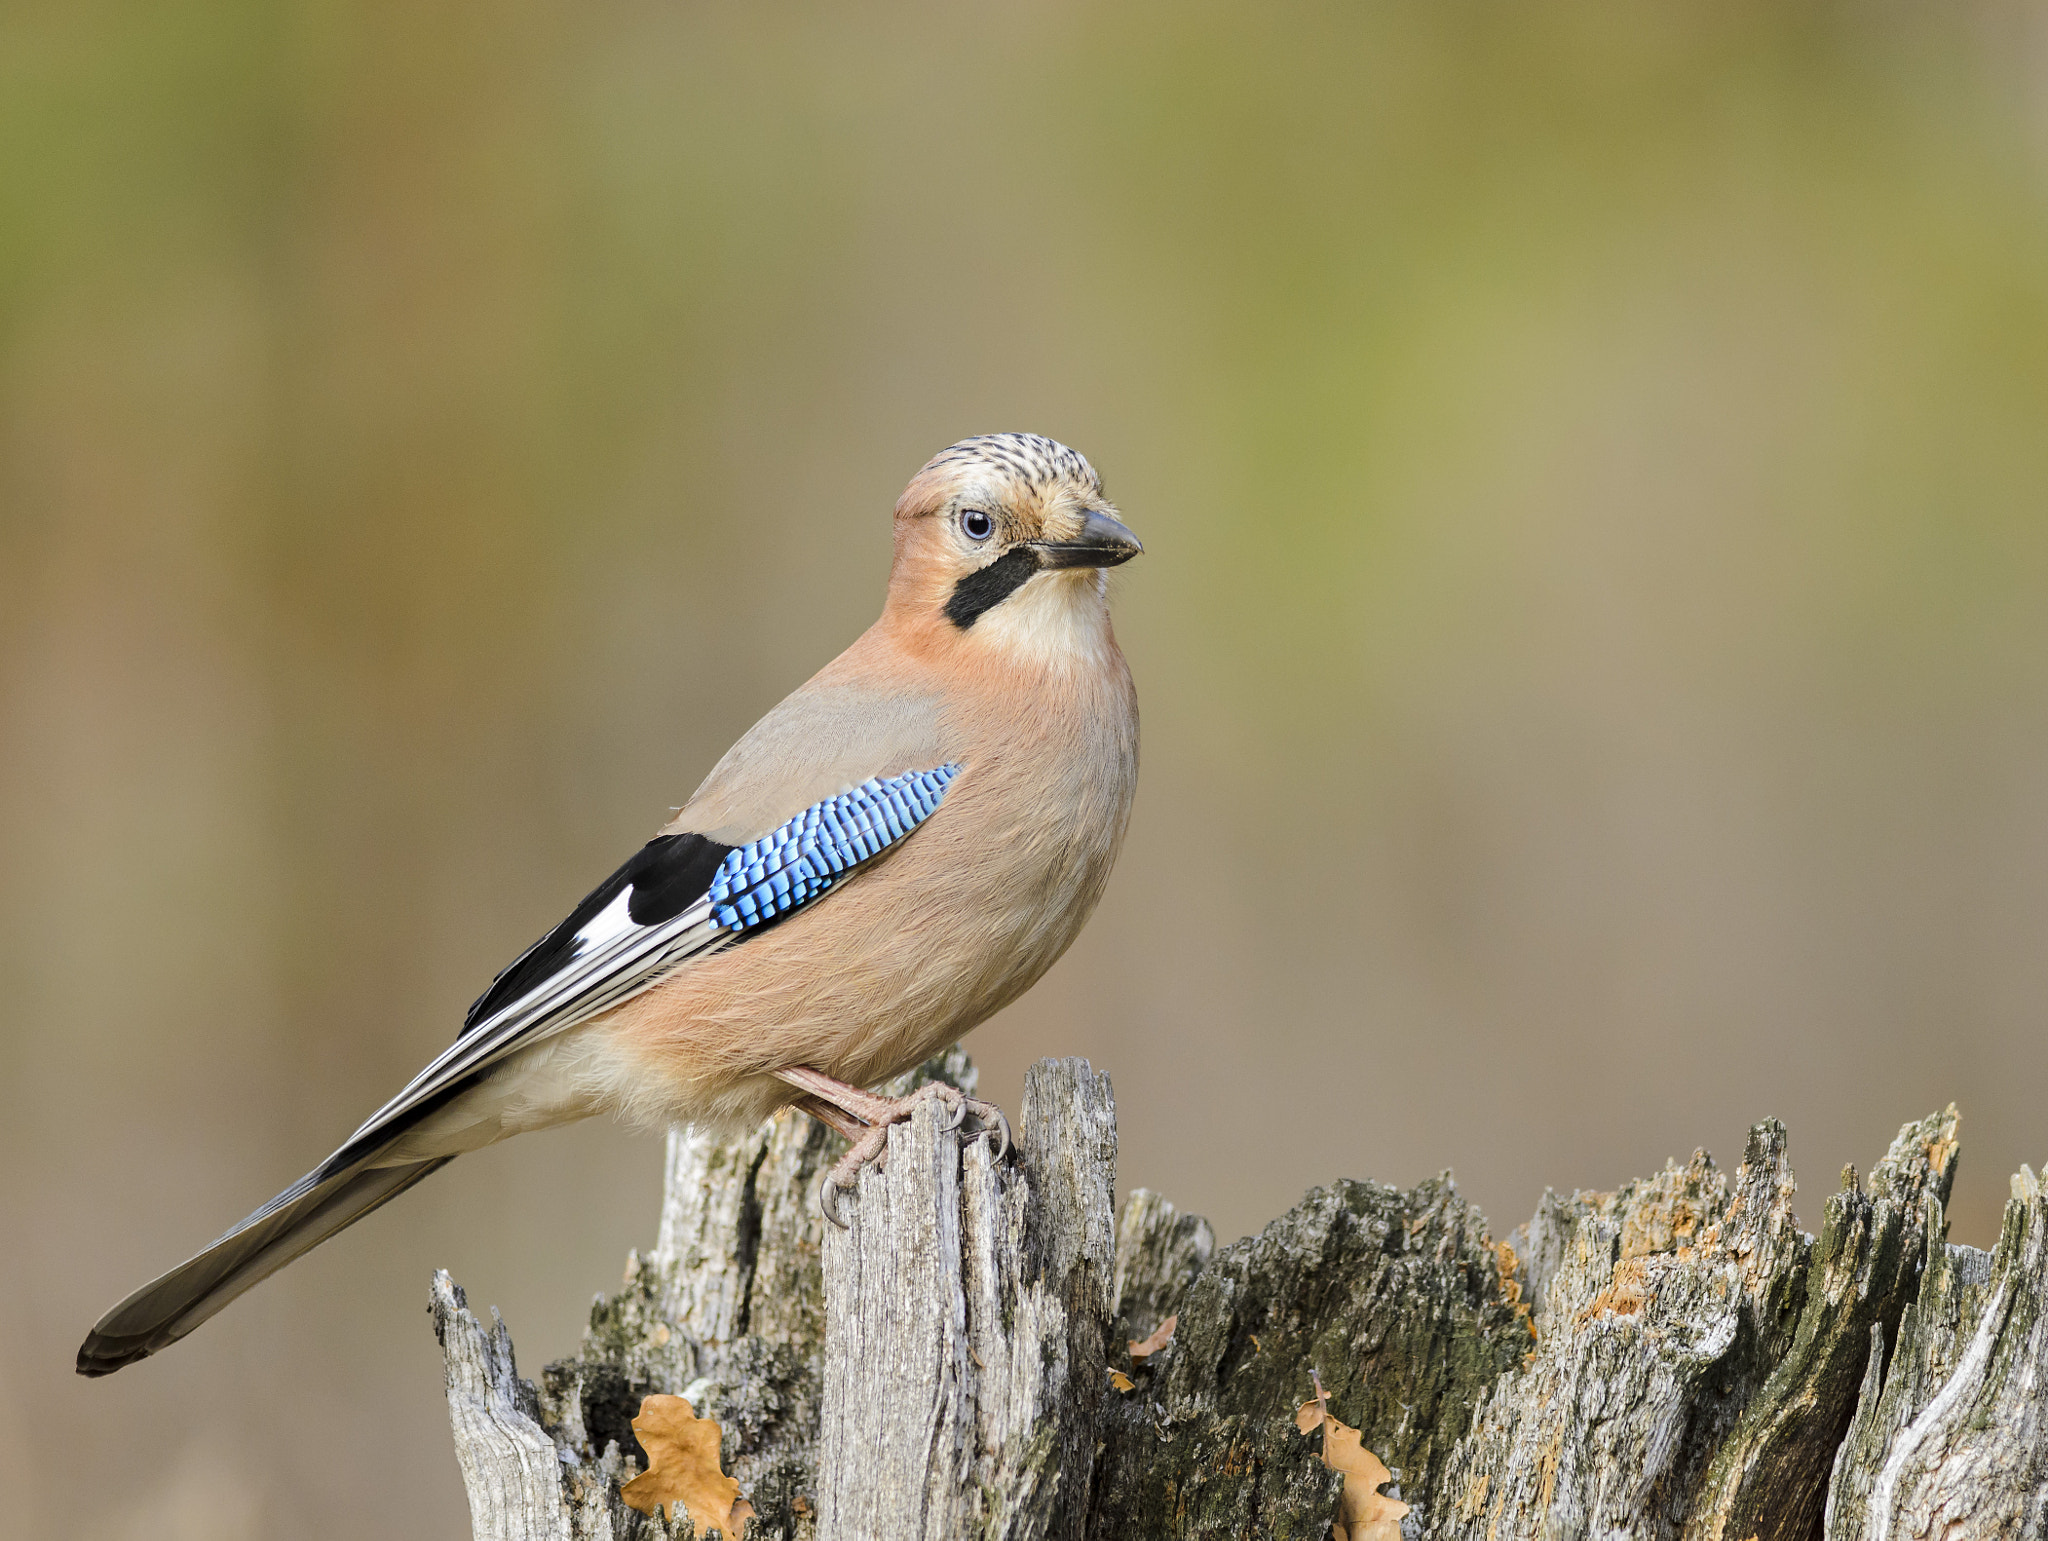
{"x":1054,"y":620}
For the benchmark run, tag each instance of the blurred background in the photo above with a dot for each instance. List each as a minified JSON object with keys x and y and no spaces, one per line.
{"x":1593,"y":636}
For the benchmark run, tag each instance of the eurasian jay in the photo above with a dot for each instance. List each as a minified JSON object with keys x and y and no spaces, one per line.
{"x":890,"y":856}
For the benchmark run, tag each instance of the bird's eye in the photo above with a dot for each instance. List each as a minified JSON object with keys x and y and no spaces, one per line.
{"x":977,"y":525}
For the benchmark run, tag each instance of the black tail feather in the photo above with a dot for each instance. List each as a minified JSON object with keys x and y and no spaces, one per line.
{"x":289,"y":1226}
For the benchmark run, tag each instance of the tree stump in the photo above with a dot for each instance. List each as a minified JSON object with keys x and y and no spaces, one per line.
{"x":1674,"y":1360}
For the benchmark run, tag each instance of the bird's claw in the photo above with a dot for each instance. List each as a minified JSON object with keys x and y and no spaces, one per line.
{"x":987,"y":1114}
{"x":844,"y":1173}
{"x":829,"y":1189}
{"x":873,"y":1146}
{"x":992,"y":1122}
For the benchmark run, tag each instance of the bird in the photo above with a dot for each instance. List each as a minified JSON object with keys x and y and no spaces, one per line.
{"x":895,"y":852}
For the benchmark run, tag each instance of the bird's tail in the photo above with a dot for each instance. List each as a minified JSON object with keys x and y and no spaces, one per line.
{"x":290,"y":1225}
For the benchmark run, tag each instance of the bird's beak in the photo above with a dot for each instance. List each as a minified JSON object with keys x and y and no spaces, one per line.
{"x":1103,"y":542}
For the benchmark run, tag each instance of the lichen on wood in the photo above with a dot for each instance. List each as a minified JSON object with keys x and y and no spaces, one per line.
{"x":1393,"y":1298}
{"x":1695,"y":1368}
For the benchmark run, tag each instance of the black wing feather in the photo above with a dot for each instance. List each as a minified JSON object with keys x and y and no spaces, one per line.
{"x":667,"y":875}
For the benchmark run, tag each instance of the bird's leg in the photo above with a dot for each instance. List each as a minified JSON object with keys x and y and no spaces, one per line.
{"x":831,"y":1117}
{"x":873,"y":1109}
{"x":864,"y":1118}
{"x":868,"y":1107}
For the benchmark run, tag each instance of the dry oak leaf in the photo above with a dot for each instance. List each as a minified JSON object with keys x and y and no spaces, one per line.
{"x":1121,"y":1381}
{"x":1161,"y":1336}
{"x":1364,"y":1513}
{"x":682,"y":1468}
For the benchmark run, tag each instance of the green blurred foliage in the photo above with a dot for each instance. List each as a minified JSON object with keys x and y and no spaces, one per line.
{"x":1593,"y":637}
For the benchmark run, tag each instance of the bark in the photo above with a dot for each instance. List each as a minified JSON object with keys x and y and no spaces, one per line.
{"x":1673,"y":1360}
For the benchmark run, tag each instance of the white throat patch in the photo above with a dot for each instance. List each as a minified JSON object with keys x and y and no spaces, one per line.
{"x":1059,"y":619}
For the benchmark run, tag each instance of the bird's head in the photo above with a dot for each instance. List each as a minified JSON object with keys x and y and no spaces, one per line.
{"x":1001,"y":544}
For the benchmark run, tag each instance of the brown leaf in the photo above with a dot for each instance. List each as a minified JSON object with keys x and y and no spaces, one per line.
{"x":1121,"y":1381}
{"x":1161,"y":1336}
{"x":1364,"y":1513}
{"x":1309,"y":1416}
{"x":682,"y":1468}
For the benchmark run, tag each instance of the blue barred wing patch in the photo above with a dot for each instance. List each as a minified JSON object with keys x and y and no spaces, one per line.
{"x":798,"y":861}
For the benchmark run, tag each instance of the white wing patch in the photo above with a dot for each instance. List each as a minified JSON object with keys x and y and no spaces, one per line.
{"x":609,"y":924}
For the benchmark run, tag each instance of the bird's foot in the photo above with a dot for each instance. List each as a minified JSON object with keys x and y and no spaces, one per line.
{"x":864,"y":1118}
{"x":986,"y":1114}
{"x":844,"y":1174}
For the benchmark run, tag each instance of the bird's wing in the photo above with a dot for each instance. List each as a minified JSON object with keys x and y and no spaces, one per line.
{"x":680,"y":896}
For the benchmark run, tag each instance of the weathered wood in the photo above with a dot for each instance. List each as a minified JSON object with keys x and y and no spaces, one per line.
{"x":1392,"y":1298}
{"x":1159,"y":1253}
{"x":1769,"y":1478}
{"x":1692,"y":1377}
{"x":507,"y":1459}
{"x":966,"y":1310}
{"x":1673,"y":1360}
{"x":1950,"y":1438}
